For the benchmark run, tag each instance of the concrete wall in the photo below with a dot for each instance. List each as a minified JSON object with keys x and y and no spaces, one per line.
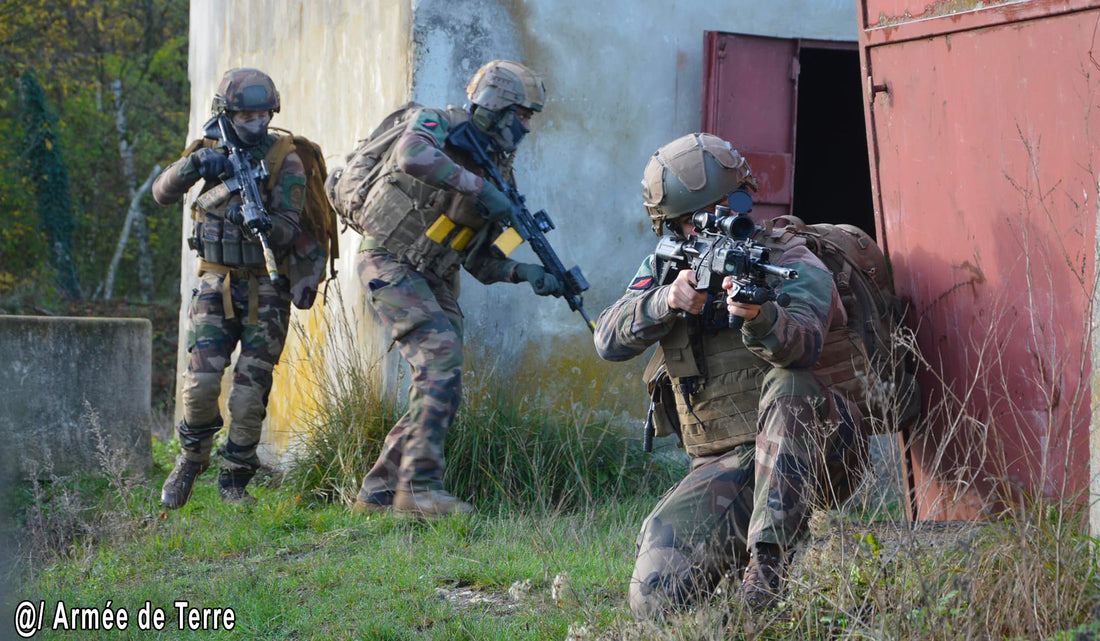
{"x":54,"y":372}
{"x":623,"y":78}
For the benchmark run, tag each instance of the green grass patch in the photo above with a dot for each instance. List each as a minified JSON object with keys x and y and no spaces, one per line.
{"x":303,"y":570}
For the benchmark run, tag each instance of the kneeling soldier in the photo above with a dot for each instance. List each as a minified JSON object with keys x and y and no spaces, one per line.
{"x":766,"y":437}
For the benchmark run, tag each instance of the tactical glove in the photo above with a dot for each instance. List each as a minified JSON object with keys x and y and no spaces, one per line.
{"x":495,"y":204}
{"x":210,"y":164}
{"x":236,"y":216}
{"x":543,"y":282}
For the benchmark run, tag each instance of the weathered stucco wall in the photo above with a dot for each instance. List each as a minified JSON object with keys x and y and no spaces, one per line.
{"x":623,"y":77}
{"x":340,"y":66}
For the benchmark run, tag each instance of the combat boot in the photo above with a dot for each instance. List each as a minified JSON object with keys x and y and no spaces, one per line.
{"x":764,"y":577}
{"x":429,"y":504}
{"x":231,"y":487}
{"x":375,"y":503}
{"x":176,"y":490}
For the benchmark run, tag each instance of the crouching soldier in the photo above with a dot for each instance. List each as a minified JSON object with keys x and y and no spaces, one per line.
{"x":237,"y":301}
{"x":767,"y":439}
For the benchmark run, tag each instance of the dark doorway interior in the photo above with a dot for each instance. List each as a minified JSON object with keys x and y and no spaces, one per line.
{"x":832,"y":177}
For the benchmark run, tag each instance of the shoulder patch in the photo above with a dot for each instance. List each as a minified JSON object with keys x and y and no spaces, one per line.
{"x":641,"y":282}
{"x":294,"y":192}
{"x":432,"y":124}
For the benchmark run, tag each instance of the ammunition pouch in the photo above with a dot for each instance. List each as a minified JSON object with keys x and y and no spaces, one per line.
{"x":718,"y":412}
{"x":429,"y":228}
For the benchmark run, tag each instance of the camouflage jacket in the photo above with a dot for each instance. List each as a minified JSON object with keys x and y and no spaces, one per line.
{"x":789,"y":336}
{"x":422,"y":152}
{"x":283,"y":202}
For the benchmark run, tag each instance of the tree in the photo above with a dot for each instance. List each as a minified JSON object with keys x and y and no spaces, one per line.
{"x":115,"y":74}
{"x":51,"y":183}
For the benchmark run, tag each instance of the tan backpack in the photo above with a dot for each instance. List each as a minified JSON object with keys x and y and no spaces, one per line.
{"x":886,"y":388}
{"x":347,"y":187}
{"x":317,"y":247}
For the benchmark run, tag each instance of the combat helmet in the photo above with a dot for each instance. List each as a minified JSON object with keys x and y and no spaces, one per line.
{"x":495,"y":91}
{"x":245,"y":90}
{"x":689,"y":174}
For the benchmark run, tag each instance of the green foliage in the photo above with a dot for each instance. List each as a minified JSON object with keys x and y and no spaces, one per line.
{"x":51,"y":182}
{"x":78,"y":50}
{"x":502,"y":450}
{"x":507,"y":449}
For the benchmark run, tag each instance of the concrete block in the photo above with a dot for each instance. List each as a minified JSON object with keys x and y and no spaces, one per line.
{"x":69,"y":384}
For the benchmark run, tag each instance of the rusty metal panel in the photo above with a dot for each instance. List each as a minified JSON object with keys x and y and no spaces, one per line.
{"x":881,"y":13}
{"x":984,"y":157}
{"x":749,"y":99}
{"x":951,"y":16}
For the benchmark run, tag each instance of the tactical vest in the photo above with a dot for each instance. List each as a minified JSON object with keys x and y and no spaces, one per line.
{"x":216,"y":240}
{"x":717,"y":381}
{"x":402,"y":215}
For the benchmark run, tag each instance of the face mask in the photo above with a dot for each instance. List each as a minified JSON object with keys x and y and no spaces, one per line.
{"x":517,"y":130}
{"x":508,"y":133}
{"x":251,"y":132}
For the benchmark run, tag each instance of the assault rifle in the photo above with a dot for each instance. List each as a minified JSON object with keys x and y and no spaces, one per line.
{"x":724,"y":247}
{"x":244,"y":181}
{"x":525,"y":226}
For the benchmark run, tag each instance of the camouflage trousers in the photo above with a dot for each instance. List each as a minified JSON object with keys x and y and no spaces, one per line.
{"x":211,"y":339}
{"x":423,"y":318}
{"x":810,"y":451}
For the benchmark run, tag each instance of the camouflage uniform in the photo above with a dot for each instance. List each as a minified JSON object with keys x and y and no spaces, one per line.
{"x":415,"y":293}
{"x":775,"y":441}
{"x":235,"y":303}
{"x":428,"y":213}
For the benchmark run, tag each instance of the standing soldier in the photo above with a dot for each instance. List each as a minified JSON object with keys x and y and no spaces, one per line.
{"x":411,"y":273}
{"x":236,"y":300}
{"x":766,"y":437}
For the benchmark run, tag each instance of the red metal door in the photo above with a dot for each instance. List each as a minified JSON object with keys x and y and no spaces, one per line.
{"x":984,"y":168}
{"x":749,"y":99}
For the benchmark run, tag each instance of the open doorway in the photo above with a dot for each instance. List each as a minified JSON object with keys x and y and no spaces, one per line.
{"x":832,"y":176}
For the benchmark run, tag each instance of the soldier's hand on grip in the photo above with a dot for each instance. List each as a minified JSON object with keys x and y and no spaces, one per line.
{"x":748,"y":311}
{"x":495,"y":204}
{"x":233,"y":214}
{"x":210,"y":164}
{"x":682,"y":294}
{"x":542,"y":282}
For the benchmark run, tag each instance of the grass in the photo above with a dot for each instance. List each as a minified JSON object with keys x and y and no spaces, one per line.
{"x":300,"y":570}
{"x":294,"y":568}
{"x":561,"y":496}
{"x":506,"y":448}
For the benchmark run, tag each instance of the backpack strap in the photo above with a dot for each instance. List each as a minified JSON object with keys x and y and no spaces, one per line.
{"x":276,"y":155}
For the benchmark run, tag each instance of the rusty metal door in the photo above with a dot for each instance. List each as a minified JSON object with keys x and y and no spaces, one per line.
{"x":750,"y":98}
{"x":982,"y":126}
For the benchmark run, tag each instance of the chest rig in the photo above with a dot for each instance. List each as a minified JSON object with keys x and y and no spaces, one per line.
{"x":217,"y":240}
{"x":432,"y":229}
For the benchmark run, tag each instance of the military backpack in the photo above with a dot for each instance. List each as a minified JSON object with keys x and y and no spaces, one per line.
{"x":317,"y":246}
{"x":348,"y":186}
{"x":883,"y":384}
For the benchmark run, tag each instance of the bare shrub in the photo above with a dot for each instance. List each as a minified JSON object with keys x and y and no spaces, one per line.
{"x":67,"y":515}
{"x":507,"y":447}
